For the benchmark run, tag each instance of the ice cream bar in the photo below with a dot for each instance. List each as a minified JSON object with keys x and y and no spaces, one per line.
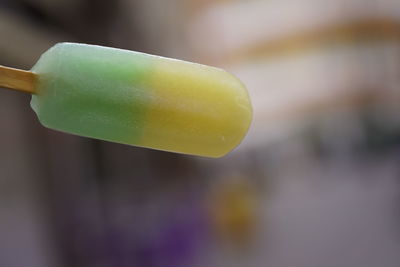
{"x":140,"y":99}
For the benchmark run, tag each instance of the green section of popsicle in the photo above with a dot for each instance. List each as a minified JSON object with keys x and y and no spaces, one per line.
{"x":92,"y":91}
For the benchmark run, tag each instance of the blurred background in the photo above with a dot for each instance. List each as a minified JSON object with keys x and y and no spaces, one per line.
{"x":315,"y":183}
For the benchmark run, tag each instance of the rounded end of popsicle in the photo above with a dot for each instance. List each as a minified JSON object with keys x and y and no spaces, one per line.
{"x":243,"y":116}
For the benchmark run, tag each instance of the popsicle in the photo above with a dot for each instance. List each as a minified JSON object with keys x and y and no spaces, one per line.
{"x":136,"y":99}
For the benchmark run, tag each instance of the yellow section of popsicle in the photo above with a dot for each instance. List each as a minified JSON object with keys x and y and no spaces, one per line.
{"x":195,"y":109}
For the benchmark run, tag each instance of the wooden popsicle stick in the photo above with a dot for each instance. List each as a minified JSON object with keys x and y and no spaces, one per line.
{"x":15,"y":79}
